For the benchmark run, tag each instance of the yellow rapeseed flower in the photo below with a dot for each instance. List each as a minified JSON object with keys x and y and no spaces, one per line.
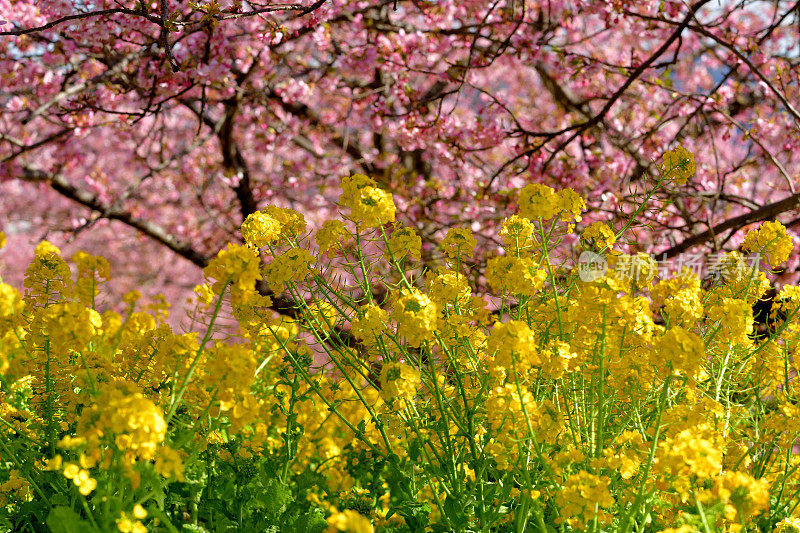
{"x":771,"y":240}
{"x":403,"y":244}
{"x":512,"y":343}
{"x":369,"y":323}
{"x":518,"y":234}
{"x":459,"y":243}
{"x":399,"y":381}
{"x":349,"y":521}
{"x":601,"y":235}
{"x":678,"y":165}
{"x":517,"y":275}
{"x":416,"y":315}
{"x":260,"y":229}
{"x":331,"y":234}
{"x":368,"y":204}
{"x":788,"y":525}
{"x":583,"y":498}
{"x":291,"y":266}
{"x":571,"y":205}
{"x":538,"y":201}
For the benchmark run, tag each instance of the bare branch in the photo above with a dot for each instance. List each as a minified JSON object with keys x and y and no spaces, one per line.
{"x":159,"y":234}
{"x":79,"y":16}
{"x":769,"y":211}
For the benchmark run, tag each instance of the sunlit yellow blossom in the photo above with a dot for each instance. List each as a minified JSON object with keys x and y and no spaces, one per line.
{"x":332,"y":234}
{"x":459,"y":243}
{"x":557,"y":358}
{"x":518,"y":234}
{"x":349,"y":521}
{"x":550,"y":399}
{"x":538,"y":201}
{"x":678,"y":165}
{"x":680,"y":297}
{"x":369,"y":323}
{"x":787,"y":525}
{"x":680,"y":529}
{"x":734,"y":319}
{"x":512,"y":412}
{"x":127,"y":525}
{"x":626,"y":454}
{"x":235,"y":265}
{"x":133,"y":422}
{"x":71,"y":470}
{"x":204,"y":294}
{"x":54,"y":463}
{"x":772,"y":241}
{"x":399,"y":381}
{"x":601,"y":235}
{"x":688,"y":454}
{"x":45,"y":248}
{"x":229,"y":372}
{"x":456,"y":330}
{"x":564,"y":459}
{"x":367,"y":203}
{"x":293,"y":224}
{"x":517,"y":275}
{"x":786,"y":304}
{"x":416,"y":315}
{"x":260,"y":229}
{"x":638,"y":270}
{"x":86,"y":485}
{"x":571,"y":205}
{"x":81,"y":478}
{"x":733,"y":277}
{"x":583,"y":498}
{"x":48,"y":275}
{"x":447,"y":286}
{"x":291,"y":266}
{"x":681,"y":351}
{"x":743,"y":496}
{"x":513,"y":343}
{"x":11,"y":305}
{"x":403,"y":244}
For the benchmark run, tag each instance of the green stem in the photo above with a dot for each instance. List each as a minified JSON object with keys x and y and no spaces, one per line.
{"x":209,"y":331}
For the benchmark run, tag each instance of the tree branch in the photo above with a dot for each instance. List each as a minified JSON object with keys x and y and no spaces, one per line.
{"x":282,"y":304}
{"x":79,"y":16}
{"x":768,"y":211}
{"x":59,"y":184}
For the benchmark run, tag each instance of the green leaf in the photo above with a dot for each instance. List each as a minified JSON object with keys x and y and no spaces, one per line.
{"x":191,"y":528}
{"x":311,"y":522}
{"x":455,"y":511}
{"x":276,"y":496}
{"x":415,"y":450}
{"x":65,"y":520}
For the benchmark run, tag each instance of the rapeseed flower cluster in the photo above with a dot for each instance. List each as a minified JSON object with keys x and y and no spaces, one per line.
{"x":417,"y":317}
{"x":459,"y":243}
{"x":368,"y":204}
{"x":771,"y":240}
{"x":401,"y":396}
{"x":678,"y":165}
